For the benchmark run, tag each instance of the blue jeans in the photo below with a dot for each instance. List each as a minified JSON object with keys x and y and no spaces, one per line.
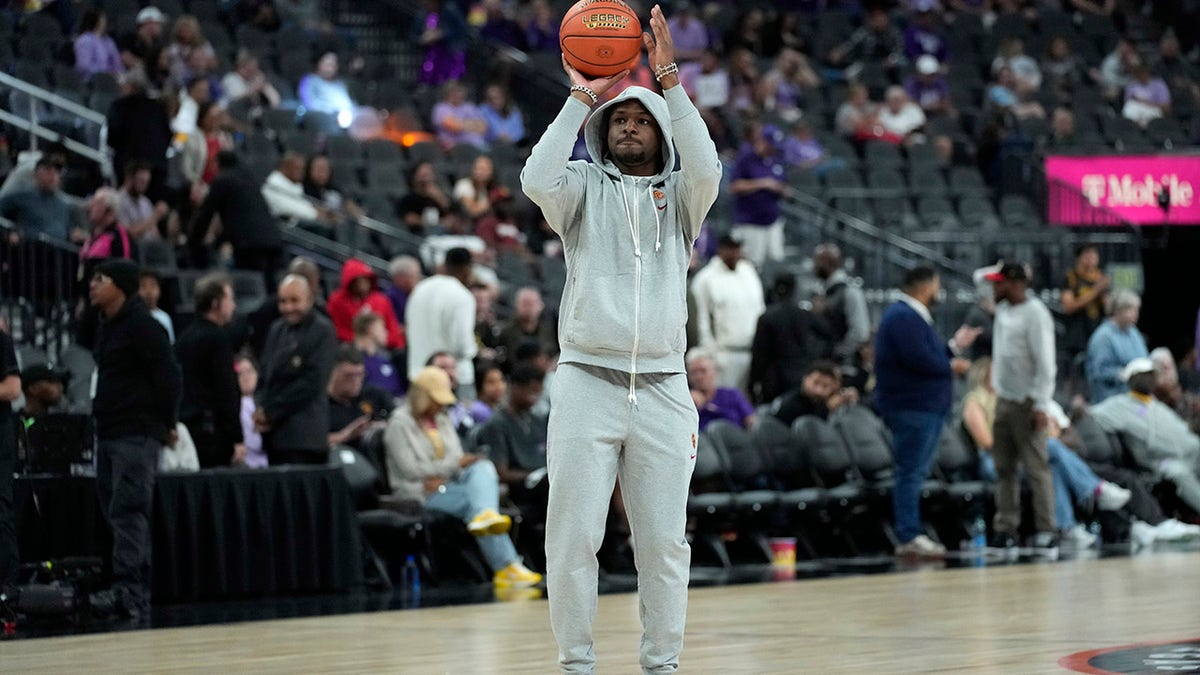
{"x":915,"y":436}
{"x":477,"y":488}
{"x":1073,"y":479}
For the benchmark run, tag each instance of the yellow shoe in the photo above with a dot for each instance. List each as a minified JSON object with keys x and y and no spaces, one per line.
{"x":488,"y":522}
{"x":516,"y":575}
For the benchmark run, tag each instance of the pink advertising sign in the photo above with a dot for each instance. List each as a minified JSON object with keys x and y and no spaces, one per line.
{"x":1090,"y":190}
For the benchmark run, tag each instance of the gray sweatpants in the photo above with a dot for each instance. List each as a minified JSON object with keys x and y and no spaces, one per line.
{"x":596,"y":434}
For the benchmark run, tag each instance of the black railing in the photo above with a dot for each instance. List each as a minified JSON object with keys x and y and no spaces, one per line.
{"x":39,"y":287}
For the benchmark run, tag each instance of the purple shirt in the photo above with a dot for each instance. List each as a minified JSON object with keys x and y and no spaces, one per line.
{"x":1155,"y":91}
{"x":760,"y":207}
{"x":399,"y":298}
{"x":726,"y":404}
{"x":689,"y":38}
{"x":97,"y":54}
{"x":256,"y":457}
{"x":918,"y":41}
{"x":462,"y":112}
{"x":796,"y":151}
{"x":926,"y":94}
{"x":382,"y":374}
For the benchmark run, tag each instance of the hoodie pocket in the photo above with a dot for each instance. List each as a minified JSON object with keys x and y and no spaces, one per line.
{"x":601,"y":316}
{"x":664,"y":314}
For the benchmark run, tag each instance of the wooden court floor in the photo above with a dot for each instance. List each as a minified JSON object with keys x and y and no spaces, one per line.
{"x":1010,"y":619}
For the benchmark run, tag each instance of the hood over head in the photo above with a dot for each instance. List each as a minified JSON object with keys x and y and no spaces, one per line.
{"x":355,"y":268}
{"x":595,"y":132}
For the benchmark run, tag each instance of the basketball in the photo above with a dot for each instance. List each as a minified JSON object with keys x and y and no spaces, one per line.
{"x":600,"y":37}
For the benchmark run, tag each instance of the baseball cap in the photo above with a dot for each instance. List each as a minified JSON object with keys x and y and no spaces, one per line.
{"x":435,"y":382}
{"x":1136,"y":367}
{"x":42,"y":372}
{"x":1009,"y":271}
{"x":151,"y":15}
{"x":927,"y":64}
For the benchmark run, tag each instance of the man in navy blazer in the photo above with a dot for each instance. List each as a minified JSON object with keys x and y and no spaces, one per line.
{"x":914,"y":373}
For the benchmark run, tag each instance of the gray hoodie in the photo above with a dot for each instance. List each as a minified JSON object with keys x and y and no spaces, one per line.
{"x":627,"y":239}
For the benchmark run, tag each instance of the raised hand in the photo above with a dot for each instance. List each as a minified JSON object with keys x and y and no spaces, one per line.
{"x":598,"y":85}
{"x":660,"y":48}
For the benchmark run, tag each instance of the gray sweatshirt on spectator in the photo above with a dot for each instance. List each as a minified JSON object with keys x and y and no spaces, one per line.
{"x":1023,"y":356}
{"x":627,"y":239}
{"x":1152,"y":431}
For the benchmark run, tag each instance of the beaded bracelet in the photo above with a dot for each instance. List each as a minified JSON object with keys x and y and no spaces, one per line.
{"x":662,"y":71}
{"x":591,"y":94}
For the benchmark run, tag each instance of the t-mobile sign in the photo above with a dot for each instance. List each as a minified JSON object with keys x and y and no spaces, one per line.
{"x":1142,"y":189}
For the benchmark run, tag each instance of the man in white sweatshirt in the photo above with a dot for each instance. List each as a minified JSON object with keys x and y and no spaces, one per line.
{"x":440,"y":317}
{"x":729,"y":300}
{"x":284,"y":192}
{"x":620,"y":400}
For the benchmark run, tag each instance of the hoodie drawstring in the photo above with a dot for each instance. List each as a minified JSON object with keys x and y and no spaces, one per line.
{"x":634,"y":230}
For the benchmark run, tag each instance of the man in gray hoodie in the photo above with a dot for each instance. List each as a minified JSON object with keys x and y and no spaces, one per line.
{"x":620,"y":401}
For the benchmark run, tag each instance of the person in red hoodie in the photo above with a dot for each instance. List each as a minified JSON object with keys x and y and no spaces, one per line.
{"x":359,"y":290}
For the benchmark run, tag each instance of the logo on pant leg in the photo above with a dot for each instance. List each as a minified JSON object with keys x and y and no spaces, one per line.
{"x":693,"y":446}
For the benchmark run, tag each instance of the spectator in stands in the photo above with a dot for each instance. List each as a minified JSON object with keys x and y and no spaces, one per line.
{"x":1060,"y":66}
{"x":440,"y":316}
{"x":749,"y":33}
{"x":198,"y":162}
{"x":915,"y":371}
{"x":499,"y":27}
{"x":801,"y":149}
{"x":1168,"y":389}
{"x":1158,"y":439}
{"x":211,"y":404}
{"x":714,"y":402}
{"x":426,"y":464}
{"x":426,"y":202}
{"x":929,"y":88}
{"x":819,"y":394}
{"x":95,"y":51}
{"x":284,"y":194}
{"x":478,"y":192}
{"x":1146,"y":97}
{"x":187,"y":117}
{"x":923,"y":36}
{"x":982,"y":314}
{"x":246,"y":222}
{"x":248,"y":81}
{"x":876,"y":42}
{"x":1083,"y":297}
{"x":1116,"y":69}
{"x":10,"y":391}
{"x":138,"y":128}
{"x":1023,"y":375}
{"x":42,"y":209}
{"x":355,"y":407}
{"x":441,"y":34}
{"x":729,"y":299}
{"x":140,"y":216}
{"x":359,"y":292}
{"x":106,"y":237}
{"x":530,"y":321}
{"x":541,"y":28}
{"x":1181,"y":76}
{"x":137,"y":394}
{"x":459,"y":411}
{"x":260,"y":14}
{"x":1003,"y":96}
{"x":843,"y":305}
{"x":515,"y":440}
{"x":1062,"y":129}
{"x":491,"y":387}
{"x":857,"y":117}
{"x":21,"y":176}
{"x":1027,"y":75}
{"x":247,"y":380}
{"x":457,"y":120}
{"x":757,"y":183}
{"x":303,"y":13}
{"x":744,"y":78}
{"x":187,"y":47}
{"x":505,"y":123}
{"x":404,"y":271}
{"x":689,"y":33}
{"x":323,"y":91}
{"x":320,"y":188}
{"x":150,"y":291}
{"x":786,"y":338}
{"x":1116,"y":342}
{"x":370,"y":339}
{"x":143,"y":46}
{"x":901,"y":119}
{"x":707,"y":83}
{"x":788,"y":84}
{"x":293,"y":408}
{"x":44,"y":389}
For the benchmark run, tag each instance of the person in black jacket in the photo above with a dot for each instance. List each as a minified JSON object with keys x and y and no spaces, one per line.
{"x":211,"y":401}
{"x":137,"y":392}
{"x":787,"y":339}
{"x":293,"y":407}
{"x":10,"y":390}
{"x":138,"y":128}
{"x":246,"y":221}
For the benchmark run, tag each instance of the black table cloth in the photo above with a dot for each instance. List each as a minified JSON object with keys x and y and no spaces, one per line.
{"x":217,"y":534}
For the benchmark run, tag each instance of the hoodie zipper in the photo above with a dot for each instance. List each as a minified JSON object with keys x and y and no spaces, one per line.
{"x":634,"y":231}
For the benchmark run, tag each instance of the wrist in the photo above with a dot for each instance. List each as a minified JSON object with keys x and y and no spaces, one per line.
{"x":583,"y":94}
{"x":668,"y":81}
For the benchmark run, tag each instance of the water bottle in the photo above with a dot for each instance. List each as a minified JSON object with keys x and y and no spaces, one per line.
{"x":412,"y":581}
{"x":978,"y":533}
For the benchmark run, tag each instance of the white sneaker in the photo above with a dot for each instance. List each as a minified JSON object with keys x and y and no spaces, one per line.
{"x":1173,"y":530}
{"x":921,"y":547}
{"x":1078,"y":537}
{"x":1143,"y":533}
{"x":1112,"y":497}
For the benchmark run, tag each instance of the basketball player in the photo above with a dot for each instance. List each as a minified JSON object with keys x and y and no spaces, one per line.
{"x":620,"y":400}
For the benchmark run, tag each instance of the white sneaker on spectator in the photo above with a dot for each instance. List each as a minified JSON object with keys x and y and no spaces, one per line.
{"x":1078,"y":538}
{"x":1111,"y":497}
{"x":1173,"y":530}
{"x":1143,"y":533}
{"x":921,"y":547}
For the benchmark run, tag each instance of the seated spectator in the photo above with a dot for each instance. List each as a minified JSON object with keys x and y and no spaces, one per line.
{"x":150,"y":291}
{"x":248,"y":81}
{"x":143,"y":46}
{"x":900,"y":118}
{"x":924,"y":36}
{"x":1146,"y":97}
{"x":707,"y":83}
{"x":323,"y":91}
{"x":1181,"y":76}
{"x":1158,"y":439}
{"x":490,"y":389}
{"x":106,"y":237}
{"x":1074,"y":481}
{"x":441,"y":33}
{"x":877,"y":41}
{"x":360,"y":292}
{"x":188,"y":50}
{"x":785,"y":87}
{"x":1062,"y":129}
{"x":530,"y":321}
{"x":1116,"y":342}
{"x":541,"y":28}
{"x":928,"y":87}
{"x":426,"y":202}
{"x":744,"y":78}
{"x":1084,"y":298}
{"x":1027,"y":76}
{"x":476,"y":193}
{"x":505,"y":123}
{"x":688,"y":33}
{"x":284,"y":193}
{"x":1060,"y":66}
{"x":458,"y":411}
{"x":247,"y":377}
{"x":713,"y":402}
{"x":43,"y":209}
{"x":187,"y":117}
{"x":748,"y":32}
{"x":95,"y":51}
{"x":320,"y":188}
{"x":1116,"y":70}
{"x":820,"y":393}
{"x":140,"y":215}
{"x":515,"y":440}
{"x":456,"y":120}
{"x":426,"y":464}
{"x":404,"y":271}
{"x":45,"y":391}
{"x":786,"y":339}
{"x":354,"y":406}
{"x":1003,"y":96}
{"x":260,"y":14}
{"x":499,"y":27}
{"x":857,"y":117}
{"x":303,"y":13}
{"x":370,"y":338}
{"x":1167,"y":388}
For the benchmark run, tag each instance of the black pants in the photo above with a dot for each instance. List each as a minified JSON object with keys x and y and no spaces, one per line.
{"x":258,"y":260}
{"x":10,"y":562}
{"x":125,"y":482}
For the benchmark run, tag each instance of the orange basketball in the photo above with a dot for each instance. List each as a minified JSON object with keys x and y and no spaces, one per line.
{"x":600,"y":37}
